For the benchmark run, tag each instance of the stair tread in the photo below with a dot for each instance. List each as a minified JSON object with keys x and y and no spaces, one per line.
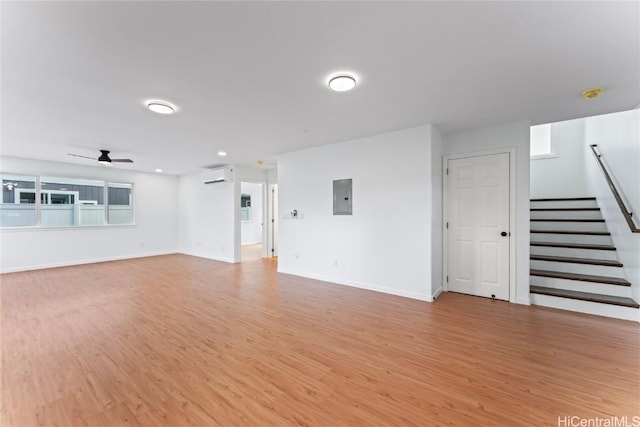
{"x":575,"y":245}
{"x":582,"y":277}
{"x":565,"y":209}
{"x":562,"y":199}
{"x":588,"y":233}
{"x":585,"y":296}
{"x":605,"y":262}
{"x":567,"y":220}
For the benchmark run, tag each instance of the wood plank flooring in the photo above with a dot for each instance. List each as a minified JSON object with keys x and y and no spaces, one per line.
{"x":183,"y":341}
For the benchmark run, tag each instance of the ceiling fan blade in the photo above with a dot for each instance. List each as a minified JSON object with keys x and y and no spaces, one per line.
{"x":122,"y":160}
{"x":84,"y":157}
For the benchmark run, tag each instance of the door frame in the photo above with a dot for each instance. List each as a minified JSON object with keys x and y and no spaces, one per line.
{"x":272,"y":220}
{"x":512,"y":214}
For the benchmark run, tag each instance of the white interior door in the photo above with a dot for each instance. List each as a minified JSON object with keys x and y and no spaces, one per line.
{"x":478,"y":234}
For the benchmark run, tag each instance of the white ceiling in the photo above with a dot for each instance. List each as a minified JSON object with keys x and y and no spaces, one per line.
{"x":250,"y":78}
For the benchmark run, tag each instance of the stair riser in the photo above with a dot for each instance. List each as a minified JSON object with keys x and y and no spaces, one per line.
{"x":565,"y":204}
{"x":571,"y":238}
{"x":598,"y":309}
{"x":577,"y":285}
{"x":574,"y":253}
{"x":567,"y":267}
{"x":566,"y":214}
{"x":568,"y":226}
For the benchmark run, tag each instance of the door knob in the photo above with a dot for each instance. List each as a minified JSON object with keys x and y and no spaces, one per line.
{"x":503,"y":234}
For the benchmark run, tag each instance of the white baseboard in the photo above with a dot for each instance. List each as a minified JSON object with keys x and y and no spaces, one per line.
{"x":207,"y":256}
{"x":84,"y":261}
{"x":361,"y":285}
{"x":524,"y":301}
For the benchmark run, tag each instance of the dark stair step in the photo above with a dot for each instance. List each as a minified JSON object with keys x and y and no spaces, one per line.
{"x":605,"y":262}
{"x":567,"y":220}
{"x":565,"y":209}
{"x":575,"y":245}
{"x":582,"y":277}
{"x":565,"y":199}
{"x":585,"y":296}
{"x":588,"y":233}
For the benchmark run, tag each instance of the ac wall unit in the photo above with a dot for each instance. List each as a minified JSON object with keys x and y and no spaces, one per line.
{"x":211,"y":176}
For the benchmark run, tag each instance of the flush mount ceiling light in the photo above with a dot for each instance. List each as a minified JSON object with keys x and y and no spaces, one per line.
{"x":222,"y":153}
{"x":591,"y":93}
{"x":342,"y":82}
{"x":161,"y":107}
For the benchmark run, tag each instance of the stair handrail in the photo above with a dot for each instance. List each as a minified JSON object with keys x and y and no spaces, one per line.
{"x":628,"y":215}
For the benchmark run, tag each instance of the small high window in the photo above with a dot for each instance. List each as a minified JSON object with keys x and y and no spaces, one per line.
{"x":541,"y":141}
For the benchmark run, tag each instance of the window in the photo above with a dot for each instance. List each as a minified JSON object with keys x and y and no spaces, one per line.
{"x":541,"y":141}
{"x":60,"y":202}
{"x":18,"y":208}
{"x":64,"y":202}
{"x":120,"y":208}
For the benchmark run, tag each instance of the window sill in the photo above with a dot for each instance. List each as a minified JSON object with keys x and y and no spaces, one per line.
{"x":543,"y":156}
{"x":83,"y":227}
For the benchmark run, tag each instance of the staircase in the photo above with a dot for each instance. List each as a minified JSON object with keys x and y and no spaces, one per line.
{"x":574,"y":265}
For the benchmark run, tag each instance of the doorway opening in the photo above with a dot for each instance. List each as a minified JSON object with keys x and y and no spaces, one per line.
{"x":252,"y":214}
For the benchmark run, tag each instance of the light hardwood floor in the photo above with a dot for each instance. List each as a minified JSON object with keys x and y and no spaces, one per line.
{"x":183,"y":341}
{"x":251,"y":252}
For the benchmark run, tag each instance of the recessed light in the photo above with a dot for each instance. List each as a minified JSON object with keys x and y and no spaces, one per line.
{"x":342,"y":82}
{"x":222,"y":153}
{"x":158,"y":170}
{"x":161,"y":107}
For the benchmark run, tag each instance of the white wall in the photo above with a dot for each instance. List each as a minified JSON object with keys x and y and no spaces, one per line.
{"x":207,"y":218}
{"x":386,"y":244}
{"x":504,"y":137}
{"x":618,"y":138}
{"x":154,"y":233}
{"x":251,"y":231}
{"x":209,"y":215}
{"x":436,"y":211}
{"x":564,"y":174}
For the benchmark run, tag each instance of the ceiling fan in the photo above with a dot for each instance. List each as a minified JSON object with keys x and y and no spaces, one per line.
{"x":104,"y":158}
